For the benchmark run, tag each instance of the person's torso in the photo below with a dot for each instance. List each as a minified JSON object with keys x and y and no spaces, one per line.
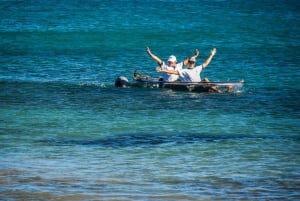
{"x":191,"y":75}
{"x":171,"y":77}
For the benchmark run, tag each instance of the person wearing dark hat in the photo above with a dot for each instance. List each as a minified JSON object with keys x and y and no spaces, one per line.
{"x":171,"y":65}
{"x":192,"y":73}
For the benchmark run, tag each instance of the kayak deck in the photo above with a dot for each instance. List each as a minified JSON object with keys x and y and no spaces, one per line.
{"x":146,"y":81}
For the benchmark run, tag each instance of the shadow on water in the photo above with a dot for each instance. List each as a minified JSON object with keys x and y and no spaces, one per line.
{"x":144,"y":139}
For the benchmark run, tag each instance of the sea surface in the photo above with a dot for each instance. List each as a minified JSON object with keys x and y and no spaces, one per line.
{"x":66,"y":133}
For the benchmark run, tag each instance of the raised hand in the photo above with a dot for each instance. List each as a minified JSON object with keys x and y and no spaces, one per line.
{"x":213,"y":51}
{"x":148,"y":50}
{"x":196,"y":53}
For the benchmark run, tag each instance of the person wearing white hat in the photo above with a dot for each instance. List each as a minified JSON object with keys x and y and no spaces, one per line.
{"x":171,"y":65}
{"x":192,"y":73}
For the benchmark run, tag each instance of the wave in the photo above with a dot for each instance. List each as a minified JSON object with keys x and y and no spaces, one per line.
{"x":146,"y":139}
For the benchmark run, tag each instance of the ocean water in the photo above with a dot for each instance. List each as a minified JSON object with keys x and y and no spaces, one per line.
{"x":66,"y":133}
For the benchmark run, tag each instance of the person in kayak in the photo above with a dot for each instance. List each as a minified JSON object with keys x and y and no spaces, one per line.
{"x":192,"y":73}
{"x":171,"y":65}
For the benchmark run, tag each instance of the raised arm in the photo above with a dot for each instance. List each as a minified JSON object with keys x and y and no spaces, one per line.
{"x":153,"y":56}
{"x":196,"y":54}
{"x":160,"y":69}
{"x":208,"y":60}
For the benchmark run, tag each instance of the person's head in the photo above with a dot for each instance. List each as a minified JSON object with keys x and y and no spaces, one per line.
{"x":192,"y":62}
{"x":172,"y":60}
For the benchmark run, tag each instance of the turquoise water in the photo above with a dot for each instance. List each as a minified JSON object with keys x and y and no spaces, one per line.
{"x":67,"y":134}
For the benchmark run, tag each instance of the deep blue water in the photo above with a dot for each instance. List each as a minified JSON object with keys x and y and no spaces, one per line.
{"x":66,"y":133}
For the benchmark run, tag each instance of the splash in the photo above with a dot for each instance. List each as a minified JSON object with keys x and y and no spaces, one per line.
{"x":96,"y":84}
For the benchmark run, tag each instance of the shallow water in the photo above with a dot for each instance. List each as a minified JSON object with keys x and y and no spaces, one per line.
{"x":67,"y":134}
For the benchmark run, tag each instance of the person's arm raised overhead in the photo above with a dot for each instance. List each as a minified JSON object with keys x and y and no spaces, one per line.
{"x":196,"y":54}
{"x":154,"y":57}
{"x":208,"y":60}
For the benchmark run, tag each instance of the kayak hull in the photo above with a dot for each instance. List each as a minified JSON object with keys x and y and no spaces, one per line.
{"x":198,"y":87}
